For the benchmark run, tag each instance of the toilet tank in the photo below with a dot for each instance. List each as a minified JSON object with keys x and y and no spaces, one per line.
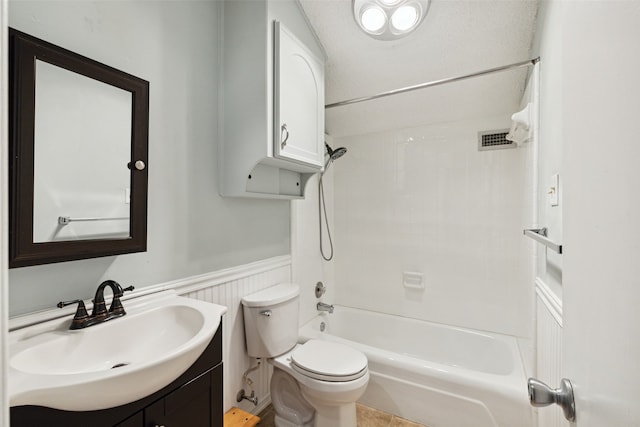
{"x":271,"y":320}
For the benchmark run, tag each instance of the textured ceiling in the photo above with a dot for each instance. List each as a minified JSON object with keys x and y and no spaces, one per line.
{"x":457,"y":37}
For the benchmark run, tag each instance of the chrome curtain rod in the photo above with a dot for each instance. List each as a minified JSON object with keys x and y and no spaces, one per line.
{"x":528,"y":63}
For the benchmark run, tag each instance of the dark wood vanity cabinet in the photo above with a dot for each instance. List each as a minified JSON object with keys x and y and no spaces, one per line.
{"x":194,"y":405}
{"x":192,"y":400}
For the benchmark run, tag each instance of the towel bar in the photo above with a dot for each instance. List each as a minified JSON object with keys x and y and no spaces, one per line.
{"x":64,"y":220}
{"x":540,"y":235}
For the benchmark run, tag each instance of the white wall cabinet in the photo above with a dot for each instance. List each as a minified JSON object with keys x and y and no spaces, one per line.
{"x":298,"y":100}
{"x":273,"y":100}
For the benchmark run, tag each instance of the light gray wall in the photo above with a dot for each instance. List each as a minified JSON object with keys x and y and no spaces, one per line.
{"x":191,"y":229}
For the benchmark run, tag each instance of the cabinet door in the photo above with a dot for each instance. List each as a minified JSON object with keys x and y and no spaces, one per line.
{"x":136,"y":420}
{"x":196,"y":404}
{"x":298,"y":100}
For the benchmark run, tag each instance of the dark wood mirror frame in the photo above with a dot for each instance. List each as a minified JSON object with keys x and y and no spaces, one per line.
{"x":23,"y":52}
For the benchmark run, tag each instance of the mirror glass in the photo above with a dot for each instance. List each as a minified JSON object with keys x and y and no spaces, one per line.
{"x":82,"y":145}
{"x":79,"y":156}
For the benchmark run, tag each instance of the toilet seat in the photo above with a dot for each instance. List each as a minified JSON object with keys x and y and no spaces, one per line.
{"x":328,"y":361}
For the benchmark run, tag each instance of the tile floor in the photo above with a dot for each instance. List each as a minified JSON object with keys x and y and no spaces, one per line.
{"x":367,"y":417}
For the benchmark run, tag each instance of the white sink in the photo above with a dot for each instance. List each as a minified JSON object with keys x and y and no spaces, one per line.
{"x":113,"y":363}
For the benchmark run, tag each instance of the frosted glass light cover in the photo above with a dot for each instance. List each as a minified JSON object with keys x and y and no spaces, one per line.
{"x":404,"y":18}
{"x":389,"y":19}
{"x":373,"y":19}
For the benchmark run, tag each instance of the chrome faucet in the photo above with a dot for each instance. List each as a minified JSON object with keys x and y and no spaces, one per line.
{"x":99,"y":313}
{"x":324,"y":307}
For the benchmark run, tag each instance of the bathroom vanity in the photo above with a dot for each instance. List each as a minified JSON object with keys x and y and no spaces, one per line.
{"x":158,"y":365}
{"x":194,"y":399}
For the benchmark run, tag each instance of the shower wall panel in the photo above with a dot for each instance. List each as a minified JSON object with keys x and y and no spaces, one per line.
{"x":425,"y":200}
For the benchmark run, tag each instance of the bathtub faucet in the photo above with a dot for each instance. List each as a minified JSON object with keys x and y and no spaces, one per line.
{"x":324,"y":307}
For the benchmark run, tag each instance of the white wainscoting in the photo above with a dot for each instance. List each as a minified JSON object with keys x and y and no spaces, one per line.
{"x":549,"y":350}
{"x":227,"y":288}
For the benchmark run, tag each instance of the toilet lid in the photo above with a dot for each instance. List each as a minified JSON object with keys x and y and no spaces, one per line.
{"x":329,"y":361}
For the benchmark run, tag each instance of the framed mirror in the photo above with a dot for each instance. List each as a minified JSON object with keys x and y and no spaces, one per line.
{"x":79,"y":156}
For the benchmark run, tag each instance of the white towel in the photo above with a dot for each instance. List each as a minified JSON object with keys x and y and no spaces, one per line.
{"x":520,"y":131}
{"x":518,"y":134}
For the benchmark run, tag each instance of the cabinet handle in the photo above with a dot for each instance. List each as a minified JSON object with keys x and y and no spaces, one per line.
{"x":285,"y":131}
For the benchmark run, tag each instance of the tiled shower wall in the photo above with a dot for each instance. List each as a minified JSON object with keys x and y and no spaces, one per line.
{"x":425,"y":200}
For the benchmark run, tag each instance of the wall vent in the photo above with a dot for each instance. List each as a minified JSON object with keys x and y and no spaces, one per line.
{"x":494,"y":140}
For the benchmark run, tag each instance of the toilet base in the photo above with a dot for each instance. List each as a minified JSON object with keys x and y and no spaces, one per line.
{"x":335,"y":416}
{"x":281,"y":422}
{"x":343,"y":416}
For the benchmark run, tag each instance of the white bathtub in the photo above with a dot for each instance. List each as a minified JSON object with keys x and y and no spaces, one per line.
{"x":436,"y":375}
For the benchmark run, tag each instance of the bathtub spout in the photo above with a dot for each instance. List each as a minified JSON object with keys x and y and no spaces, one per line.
{"x":324,"y":307}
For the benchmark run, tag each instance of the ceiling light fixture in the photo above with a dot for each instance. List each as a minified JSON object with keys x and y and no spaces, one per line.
{"x":389,"y":19}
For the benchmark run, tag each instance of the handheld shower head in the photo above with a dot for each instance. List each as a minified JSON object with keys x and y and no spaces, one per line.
{"x":333,"y":154}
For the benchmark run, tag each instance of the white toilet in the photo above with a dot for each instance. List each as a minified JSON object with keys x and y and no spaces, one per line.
{"x":315,"y":384}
